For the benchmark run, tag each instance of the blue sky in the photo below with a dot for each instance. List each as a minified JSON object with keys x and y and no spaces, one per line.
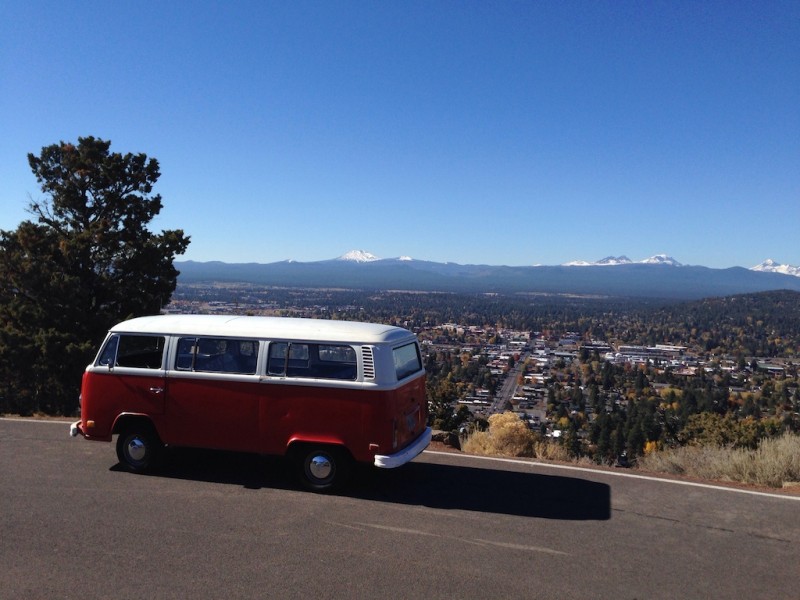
{"x":474,"y":132}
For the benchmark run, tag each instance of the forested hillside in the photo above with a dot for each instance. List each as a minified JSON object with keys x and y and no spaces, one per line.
{"x":764,"y":324}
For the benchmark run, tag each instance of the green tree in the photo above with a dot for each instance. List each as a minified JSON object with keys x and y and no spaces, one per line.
{"x":572,"y":441}
{"x":85,"y":262}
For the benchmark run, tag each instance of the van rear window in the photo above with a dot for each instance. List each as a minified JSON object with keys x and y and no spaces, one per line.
{"x":407,"y":360}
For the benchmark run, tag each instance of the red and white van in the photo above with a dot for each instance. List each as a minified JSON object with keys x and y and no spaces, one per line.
{"x":323,"y":393}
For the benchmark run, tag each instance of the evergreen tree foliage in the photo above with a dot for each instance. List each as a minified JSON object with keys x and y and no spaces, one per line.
{"x":85,"y":262}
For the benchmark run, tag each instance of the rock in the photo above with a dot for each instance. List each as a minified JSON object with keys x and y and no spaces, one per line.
{"x":448,"y":438}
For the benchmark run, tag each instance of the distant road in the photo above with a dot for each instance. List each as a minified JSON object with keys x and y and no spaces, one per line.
{"x":506,"y":392}
{"x":220,"y":525}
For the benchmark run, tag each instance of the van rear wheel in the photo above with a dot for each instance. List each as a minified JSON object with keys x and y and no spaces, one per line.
{"x":321,"y":468}
{"x":138,"y":448}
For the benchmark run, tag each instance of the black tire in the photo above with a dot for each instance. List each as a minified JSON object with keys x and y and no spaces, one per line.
{"x":321,"y":468}
{"x":138,"y":448}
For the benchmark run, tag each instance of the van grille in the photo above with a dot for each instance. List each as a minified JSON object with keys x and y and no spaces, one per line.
{"x":369,"y":362}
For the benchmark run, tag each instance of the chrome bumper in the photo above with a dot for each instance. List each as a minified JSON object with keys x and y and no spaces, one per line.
{"x":75,"y":429}
{"x":407,"y":454}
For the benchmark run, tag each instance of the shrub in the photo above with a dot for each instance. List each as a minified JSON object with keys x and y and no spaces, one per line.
{"x":711,"y":429}
{"x":509,"y":436}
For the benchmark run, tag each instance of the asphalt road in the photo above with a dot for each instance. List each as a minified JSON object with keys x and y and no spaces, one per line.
{"x":220,"y":525}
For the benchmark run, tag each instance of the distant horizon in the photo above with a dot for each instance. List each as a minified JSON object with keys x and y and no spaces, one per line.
{"x":653,"y":279}
{"x":574,"y":263}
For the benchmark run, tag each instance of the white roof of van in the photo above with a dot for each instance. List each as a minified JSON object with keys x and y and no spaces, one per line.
{"x":283,"y":328}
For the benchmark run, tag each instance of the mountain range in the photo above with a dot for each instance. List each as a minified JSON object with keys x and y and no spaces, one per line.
{"x":612,"y":261}
{"x":656,"y":277}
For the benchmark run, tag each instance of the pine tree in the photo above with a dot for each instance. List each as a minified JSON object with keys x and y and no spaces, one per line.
{"x":86,"y":262}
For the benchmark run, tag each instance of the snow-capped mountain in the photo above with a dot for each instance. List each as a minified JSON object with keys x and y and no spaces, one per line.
{"x":362,"y":256}
{"x":614,"y":260}
{"x":770,"y":266}
{"x":661,"y":259}
{"x":658,"y":259}
{"x":359,"y":256}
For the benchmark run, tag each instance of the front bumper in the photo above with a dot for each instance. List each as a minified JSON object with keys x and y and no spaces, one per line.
{"x":407,"y":454}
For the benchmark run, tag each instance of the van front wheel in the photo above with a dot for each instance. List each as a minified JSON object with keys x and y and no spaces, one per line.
{"x":321,"y":468}
{"x":138,"y":448}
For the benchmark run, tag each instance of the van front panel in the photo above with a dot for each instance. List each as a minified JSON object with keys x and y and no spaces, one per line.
{"x":107,"y":393}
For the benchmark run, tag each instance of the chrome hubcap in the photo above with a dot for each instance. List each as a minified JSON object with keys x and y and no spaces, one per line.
{"x":320,"y":466}
{"x":136,"y":449}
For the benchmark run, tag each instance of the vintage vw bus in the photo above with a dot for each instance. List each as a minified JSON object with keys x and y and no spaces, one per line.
{"x":322,"y":393}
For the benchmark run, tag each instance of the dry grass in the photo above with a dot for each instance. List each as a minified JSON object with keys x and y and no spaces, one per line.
{"x":508,"y":436}
{"x":775,"y":462}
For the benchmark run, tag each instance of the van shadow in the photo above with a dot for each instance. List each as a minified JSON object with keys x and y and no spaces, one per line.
{"x":418,"y":483}
{"x":250,"y":471}
{"x":451,"y":487}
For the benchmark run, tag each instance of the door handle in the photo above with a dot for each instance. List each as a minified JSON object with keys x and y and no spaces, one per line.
{"x":156,"y":390}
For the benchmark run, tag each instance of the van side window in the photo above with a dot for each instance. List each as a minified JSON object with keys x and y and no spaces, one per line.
{"x":316,"y":361}
{"x":288,"y":359}
{"x":187,"y":348}
{"x":336,"y":362}
{"x":108,"y":357}
{"x":137,"y":351}
{"x":217,"y":355}
{"x":406,"y":360}
{"x":277,"y":358}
